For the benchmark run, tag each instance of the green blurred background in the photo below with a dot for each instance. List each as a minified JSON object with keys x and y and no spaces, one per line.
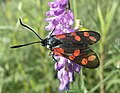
{"x":31,"y":70}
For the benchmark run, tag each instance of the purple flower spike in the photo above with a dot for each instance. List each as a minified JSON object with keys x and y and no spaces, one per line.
{"x":61,"y":19}
{"x":64,"y":79}
{"x":55,"y":22}
{"x":76,"y":68}
{"x":60,"y":64}
{"x":70,"y":72}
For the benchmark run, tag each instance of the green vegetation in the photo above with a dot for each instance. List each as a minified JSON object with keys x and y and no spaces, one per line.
{"x":31,"y":70}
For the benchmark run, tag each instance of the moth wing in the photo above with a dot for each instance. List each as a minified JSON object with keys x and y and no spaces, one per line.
{"x":75,"y":47}
{"x":82,"y":38}
{"x":84,"y":57}
{"x":87,"y":59}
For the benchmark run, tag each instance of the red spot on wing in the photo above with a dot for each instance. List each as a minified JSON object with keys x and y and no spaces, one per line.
{"x":60,"y":36}
{"x":71,"y":57}
{"x":84,"y":61}
{"x":58,"y":51}
{"x":91,"y":58}
{"x":73,"y":34}
{"x":92,"y":38}
{"x":78,"y":38}
{"x":86,"y":34}
{"x":76,"y":52}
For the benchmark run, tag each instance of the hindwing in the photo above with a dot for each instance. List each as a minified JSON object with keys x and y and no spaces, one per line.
{"x":84,"y":57}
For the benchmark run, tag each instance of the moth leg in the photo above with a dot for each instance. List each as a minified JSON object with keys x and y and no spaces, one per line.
{"x":50,"y":53}
{"x":54,"y":58}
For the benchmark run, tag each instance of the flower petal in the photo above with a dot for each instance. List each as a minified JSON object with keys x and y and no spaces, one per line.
{"x":60,"y":64}
{"x":76,"y":67}
{"x":64,"y":79}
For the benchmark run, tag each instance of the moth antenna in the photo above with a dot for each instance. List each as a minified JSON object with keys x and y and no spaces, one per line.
{"x":29,"y":29}
{"x":18,"y":46}
{"x":52,"y":32}
{"x":68,"y":4}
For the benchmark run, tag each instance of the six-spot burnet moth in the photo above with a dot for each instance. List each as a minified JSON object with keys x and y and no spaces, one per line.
{"x":73,"y":46}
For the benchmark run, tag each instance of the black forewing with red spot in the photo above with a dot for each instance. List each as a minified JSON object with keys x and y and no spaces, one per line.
{"x":80,"y":37}
{"x":75,"y":47}
{"x":89,"y":37}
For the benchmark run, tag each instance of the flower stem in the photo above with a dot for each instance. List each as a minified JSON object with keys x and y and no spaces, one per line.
{"x":83,"y":87}
{"x":75,"y":9}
